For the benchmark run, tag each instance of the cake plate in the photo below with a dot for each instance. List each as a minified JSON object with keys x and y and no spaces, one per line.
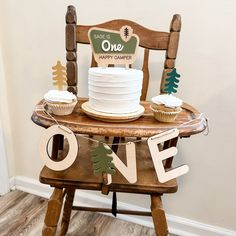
{"x":111,"y":117}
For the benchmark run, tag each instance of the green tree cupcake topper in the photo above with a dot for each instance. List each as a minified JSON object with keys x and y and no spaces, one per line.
{"x":102,"y":160}
{"x":171,"y":82}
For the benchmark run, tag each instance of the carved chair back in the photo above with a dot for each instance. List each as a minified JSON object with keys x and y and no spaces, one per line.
{"x":149,"y":40}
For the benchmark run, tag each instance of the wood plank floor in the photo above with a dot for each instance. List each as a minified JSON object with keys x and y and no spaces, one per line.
{"x":23,"y":214}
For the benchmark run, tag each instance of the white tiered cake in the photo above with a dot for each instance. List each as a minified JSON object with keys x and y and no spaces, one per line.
{"x":114,"y":89}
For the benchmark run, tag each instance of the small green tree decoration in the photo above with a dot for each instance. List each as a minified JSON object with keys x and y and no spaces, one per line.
{"x":60,"y":75}
{"x":171,"y":82}
{"x":126,"y":32}
{"x":102,"y":161}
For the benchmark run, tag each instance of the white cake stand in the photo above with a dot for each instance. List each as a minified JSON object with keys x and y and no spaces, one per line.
{"x":111,"y":117}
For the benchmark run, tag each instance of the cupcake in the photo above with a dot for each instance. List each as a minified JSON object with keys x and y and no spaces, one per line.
{"x":166,"y":107}
{"x":60,"y":102}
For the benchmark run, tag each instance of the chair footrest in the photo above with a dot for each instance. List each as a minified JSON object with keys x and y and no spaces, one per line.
{"x":119,"y":211}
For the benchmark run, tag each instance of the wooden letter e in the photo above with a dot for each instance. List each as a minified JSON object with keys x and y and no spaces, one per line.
{"x":158,"y":156}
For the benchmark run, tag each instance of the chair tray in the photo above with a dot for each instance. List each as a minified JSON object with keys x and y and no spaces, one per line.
{"x":189,"y":122}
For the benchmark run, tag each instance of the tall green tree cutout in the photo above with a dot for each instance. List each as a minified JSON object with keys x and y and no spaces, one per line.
{"x":102,"y":161}
{"x":171,"y":82}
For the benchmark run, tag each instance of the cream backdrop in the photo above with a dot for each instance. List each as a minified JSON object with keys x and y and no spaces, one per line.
{"x":32,"y":39}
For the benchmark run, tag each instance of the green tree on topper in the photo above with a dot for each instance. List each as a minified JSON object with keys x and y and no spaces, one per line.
{"x":126,"y":32}
{"x":102,"y":160}
{"x":171,"y":82}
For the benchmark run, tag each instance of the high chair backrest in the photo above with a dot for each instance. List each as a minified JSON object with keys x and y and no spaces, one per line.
{"x":149,"y":40}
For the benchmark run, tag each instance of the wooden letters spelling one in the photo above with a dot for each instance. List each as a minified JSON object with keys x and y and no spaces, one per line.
{"x":129,"y":171}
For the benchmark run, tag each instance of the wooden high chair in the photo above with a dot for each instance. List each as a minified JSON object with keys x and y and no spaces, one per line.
{"x":80,"y":174}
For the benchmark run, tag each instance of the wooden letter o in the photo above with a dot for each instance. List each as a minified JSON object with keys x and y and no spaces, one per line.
{"x":73,"y":147}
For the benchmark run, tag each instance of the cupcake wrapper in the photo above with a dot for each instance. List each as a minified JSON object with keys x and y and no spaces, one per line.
{"x":165,"y":116}
{"x":61,"y":109}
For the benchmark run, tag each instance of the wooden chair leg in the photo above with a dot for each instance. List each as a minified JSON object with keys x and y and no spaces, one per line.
{"x":53,"y":213}
{"x":158,"y":216}
{"x":67,"y":211}
{"x":61,"y":142}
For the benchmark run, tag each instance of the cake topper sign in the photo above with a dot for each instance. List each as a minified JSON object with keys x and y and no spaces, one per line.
{"x":113,"y":47}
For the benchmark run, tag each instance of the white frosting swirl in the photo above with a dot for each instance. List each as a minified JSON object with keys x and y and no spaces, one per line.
{"x":59,"y":96}
{"x":168,"y":100}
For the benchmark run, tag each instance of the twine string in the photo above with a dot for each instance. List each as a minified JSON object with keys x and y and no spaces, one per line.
{"x":44,"y":109}
{"x":207,"y":130}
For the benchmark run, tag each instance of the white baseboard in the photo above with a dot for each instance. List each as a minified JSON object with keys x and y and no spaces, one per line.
{"x":177,"y":225}
{"x":12,"y":183}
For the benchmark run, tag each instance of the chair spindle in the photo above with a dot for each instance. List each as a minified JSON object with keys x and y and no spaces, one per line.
{"x":145,"y":70}
{"x":71,"y":48}
{"x":172,"y":49}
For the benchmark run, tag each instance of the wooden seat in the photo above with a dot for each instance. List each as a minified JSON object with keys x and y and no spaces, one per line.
{"x":80,"y":174}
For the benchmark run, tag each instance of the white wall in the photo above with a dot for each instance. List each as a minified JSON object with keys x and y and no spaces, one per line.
{"x":34,"y":39}
{"x":4,"y":176}
{"x":6,"y":147}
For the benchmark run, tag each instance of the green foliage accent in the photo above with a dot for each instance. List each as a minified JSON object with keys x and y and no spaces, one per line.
{"x":102,"y":160}
{"x":171,"y":82}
